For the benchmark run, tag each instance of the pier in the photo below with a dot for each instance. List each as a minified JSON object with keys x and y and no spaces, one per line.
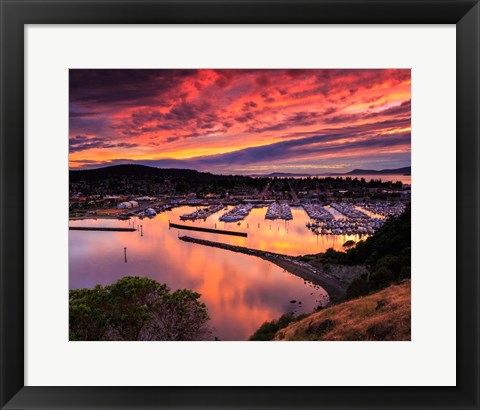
{"x":335,"y":288}
{"x":279,"y":211}
{"x":210,"y":230}
{"x":100,"y":228}
{"x":384,"y":208}
{"x":349,"y":211}
{"x":318,"y":212}
{"x":203,"y":213}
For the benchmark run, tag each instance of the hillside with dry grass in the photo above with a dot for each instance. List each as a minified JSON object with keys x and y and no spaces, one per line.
{"x":384,"y":315}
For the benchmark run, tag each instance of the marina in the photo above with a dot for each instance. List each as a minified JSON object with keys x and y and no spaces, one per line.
{"x":355,"y":219}
{"x":235,"y":286}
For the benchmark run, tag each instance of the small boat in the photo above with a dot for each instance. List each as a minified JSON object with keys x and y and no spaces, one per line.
{"x":150,"y":212}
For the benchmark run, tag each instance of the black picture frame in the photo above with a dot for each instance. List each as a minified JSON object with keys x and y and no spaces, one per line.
{"x":15,"y":14}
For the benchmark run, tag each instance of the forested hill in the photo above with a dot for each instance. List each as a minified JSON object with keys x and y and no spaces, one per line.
{"x":136,"y":171}
{"x":144,"y":180}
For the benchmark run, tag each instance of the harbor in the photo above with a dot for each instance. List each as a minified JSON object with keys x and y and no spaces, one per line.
{"x":361,"y":218}
{"x":227,"y":267}
{"x":232,"y":284}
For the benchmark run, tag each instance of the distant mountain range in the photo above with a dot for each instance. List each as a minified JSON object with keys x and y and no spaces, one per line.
{"x":280,"y":174}
{"x":396,"y":171}
{"x":142,"y":170}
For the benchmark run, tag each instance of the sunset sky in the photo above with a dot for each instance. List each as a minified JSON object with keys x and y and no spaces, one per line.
{"x":241,"y":121}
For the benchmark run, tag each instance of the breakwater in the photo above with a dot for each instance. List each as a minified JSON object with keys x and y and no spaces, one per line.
{"x":210,"y":230}
{"x":99,"y":228}
{"x":334,"y":287}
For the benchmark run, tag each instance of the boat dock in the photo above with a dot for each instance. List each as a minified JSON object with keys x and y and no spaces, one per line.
{"x":316,"y":211}
{"x":203,"y":213}
{"x":349,"y":211}
{"x":210,"y":230}
{"x":279,"y":211}
{"x":100,"y":228}
{"x":237,"y":214}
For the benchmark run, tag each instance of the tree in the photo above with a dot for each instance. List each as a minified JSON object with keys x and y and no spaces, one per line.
{"x":136,"y":308}
{"x":87,"y":314}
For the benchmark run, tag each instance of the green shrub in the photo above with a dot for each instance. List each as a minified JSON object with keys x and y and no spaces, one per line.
{"x":136,"y":308}
{"x":268,"y":330}
{"x":359,"y":286}
{"x":381,"y":278}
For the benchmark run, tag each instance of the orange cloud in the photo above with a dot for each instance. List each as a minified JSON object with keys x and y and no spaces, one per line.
{"x":183,"y":114}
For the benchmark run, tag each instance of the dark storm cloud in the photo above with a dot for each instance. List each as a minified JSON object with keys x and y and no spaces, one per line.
{"x":110,"y":86}
{"x":179,"y":116}
{"x":85,"y":114}
{"x":249,"y":105}
{"x":301,"y":147}
{"x":359,"y":130}
{"x":262,"y":80}
{"x":245,"y":118}
{"x":330,"y":110}
{"x":82,"y":143}
{"x":225,"y":78}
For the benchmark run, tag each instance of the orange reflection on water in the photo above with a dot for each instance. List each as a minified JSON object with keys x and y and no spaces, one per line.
{"x":240,"y":291}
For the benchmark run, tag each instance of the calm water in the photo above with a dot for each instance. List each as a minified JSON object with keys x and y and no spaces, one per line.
{"x":240,"y":291}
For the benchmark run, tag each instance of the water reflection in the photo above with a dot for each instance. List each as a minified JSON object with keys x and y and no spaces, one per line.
{"x":240,"y":291}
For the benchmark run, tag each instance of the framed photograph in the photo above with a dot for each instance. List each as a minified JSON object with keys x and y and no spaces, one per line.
{"x":240,"y":205}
